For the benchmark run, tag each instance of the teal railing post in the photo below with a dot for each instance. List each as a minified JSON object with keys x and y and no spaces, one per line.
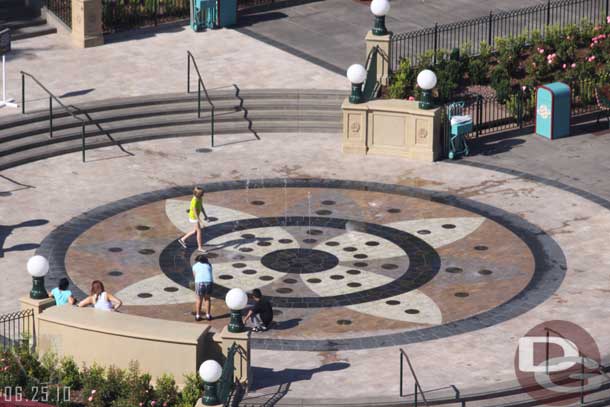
{"x":212,"y":126}
{"x":188,"y":73}
{"x":22,"y":94}
{"x":51,"y":116}
{"x":83,"y":136}
{"x":199,"y":99}
{"x":415,"y":392}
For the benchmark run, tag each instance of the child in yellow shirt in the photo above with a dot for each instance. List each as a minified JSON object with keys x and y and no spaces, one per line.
{"x":195,"y":209}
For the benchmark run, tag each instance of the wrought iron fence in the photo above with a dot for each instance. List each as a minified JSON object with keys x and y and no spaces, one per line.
{"x":486,"y":29}
{"x":492,"y":116}
{"x":62,"y":9}
{"x":245,"y":4}
{"x":120,"y":15}
{"x":15,"y":328}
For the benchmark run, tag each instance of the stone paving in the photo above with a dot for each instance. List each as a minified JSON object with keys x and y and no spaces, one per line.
{"x":154,"y":62}
{"x":60,"y":189}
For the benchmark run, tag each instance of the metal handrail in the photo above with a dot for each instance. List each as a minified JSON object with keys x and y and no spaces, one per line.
{"x":200,"y":85}
{"x":52,"y":98}
{"x":403,"y":356}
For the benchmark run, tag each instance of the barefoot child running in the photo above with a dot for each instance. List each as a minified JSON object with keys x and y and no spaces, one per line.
{"x":195,"y":210}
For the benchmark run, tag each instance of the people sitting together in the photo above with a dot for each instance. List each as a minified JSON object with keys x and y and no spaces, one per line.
{"x":99,"y":298}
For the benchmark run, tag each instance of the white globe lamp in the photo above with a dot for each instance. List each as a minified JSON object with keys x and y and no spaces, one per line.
{"x":380,"y":9}
{"x":236,"y":299}
{"x":38,"y":268}
{"x":210,"y":372}
{"x":356,"y":74}
{"x":427,"y":81}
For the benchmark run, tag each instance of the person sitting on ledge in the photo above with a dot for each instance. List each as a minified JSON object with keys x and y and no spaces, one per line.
{"x":61,"y":294}
{"x":100,"y":299}
{"x":261,"y":313}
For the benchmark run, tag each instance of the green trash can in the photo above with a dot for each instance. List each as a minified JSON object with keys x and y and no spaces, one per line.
{"x":227,"y":13}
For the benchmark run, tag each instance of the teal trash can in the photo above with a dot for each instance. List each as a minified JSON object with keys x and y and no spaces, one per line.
{"x":553,"y":110}
{"x":204,"y":14}
{"x":227,"y":13}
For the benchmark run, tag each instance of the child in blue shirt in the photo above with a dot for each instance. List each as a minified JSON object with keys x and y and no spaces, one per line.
{"x":61,"y":294}
{"x":204,"y":281}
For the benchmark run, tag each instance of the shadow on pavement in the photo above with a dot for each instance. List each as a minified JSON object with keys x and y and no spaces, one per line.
{"x":6,"y":230}
{"x":267,"y":377}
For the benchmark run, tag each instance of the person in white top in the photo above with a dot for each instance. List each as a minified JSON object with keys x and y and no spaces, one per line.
{"x":100,"y":299}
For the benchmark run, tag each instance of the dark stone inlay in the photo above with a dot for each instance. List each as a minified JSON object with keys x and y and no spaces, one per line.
{"x":145,"y":295}
{"x":462,"y":295}
{"x":289,"y":281}
{"x":246,"y":249}
{"x":284,"y":290}
{"x":548,"y":256}
{"x":354,"y":285}
{"x":170,"y":289}
{"x":146,"y":251}
{"x":328,"y":202}
{"x":248,"y":236}
{"x":314,"y":232}
{"x":258,"y":203}
{"x":115,"y":273}
{"x":115,"y":250}
{"x":350,"y":249}
{"x":453,"y":270}
{"x":249,"y":271}
{"x":481,"y":248}
{"x":448,"y":226}
{"x":212,"y":219}
{"x":389,"y":266}
{"x":332,"y":244}
{"x":285,"y":241}
{"x":300,"y":261}
{"x":264,"y":243}
{"x":266,"y":278}
{"x":309,"y":241}
{"x":324,"y":212}
{"x":392,"y":302}
{"x":211,"y":255}
{"x":394,"y":210}
{"x":372,"y":243}
{"x":337,"y":277}
{"x":204,"y":150}
{"x":361,"y":256}
{"x":225,"y":277}
{"x":485,"y":272}
{"x":344,"y":322}
{"x":277,"y":312}
{"x":353,"y":272}
{"x":360,"y":264}
{"x":239,"y":265}
{"x":314,"y":280}
{"x":142,"y":228}
{"x":423,"y":232}
{"x":412,"y":311}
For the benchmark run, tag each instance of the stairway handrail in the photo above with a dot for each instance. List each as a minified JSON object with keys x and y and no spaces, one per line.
{"x":403,"y":355}
{"x":52,"y":98}
{"x":200,"y":85}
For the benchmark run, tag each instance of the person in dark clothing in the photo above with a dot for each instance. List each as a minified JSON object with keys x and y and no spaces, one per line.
{"x":261,"y":313}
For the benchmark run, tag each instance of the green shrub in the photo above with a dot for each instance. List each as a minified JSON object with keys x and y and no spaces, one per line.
{"x":69,"y":374}
{"x":192,"y":390}
{"x":485,"y":51}
{"x":166,"y":391}
{"x":477,"y":71}
{"x":500,"y":82}
{"x":403,"y":81}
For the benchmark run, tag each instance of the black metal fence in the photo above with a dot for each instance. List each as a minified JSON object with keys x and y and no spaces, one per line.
{"x":486,"y":29}
{"x":62,"y":9}
{"x":121,"y":15}
{"x":15,"y":328}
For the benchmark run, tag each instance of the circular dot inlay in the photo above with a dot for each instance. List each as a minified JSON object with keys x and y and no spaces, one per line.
{"x":344,"y":322}
{"x":350,"y":249}
{"x":328,"y":202}
{"x":146,"y":251}
{"x":314,"y":280}
{"x":309,"y":241}
{"x":481,"y":248}
{"x":239,"y":265}
{"x":412,"y":311}
{"x":324,"y":212}
{"x":336,"y":277}
{"x":453,"y":270}
{"x":285,"y":241}
{"x":372,"y":243}
{"x":142,"y":228}
{"x":332,"y":244}
{"x":258,"y":203}
{"x":353,"y":272}
{"x":145,"y":295}
{"x":462,"y":295}
{"x":249,"y":271}
{"x":394,"y":210}
{"x":115,"y":273}
{"x":389,"y":266}
{"x":246,"y":249}
{"x":115,"y":250}
{"x":392,"y":302}
{"x":225,"y":277}
{"x":264,"y":243}
{"x":423,"y":232}
{"x":266,"y":278}
{"x":170,"y":289}
{"x":360,"y":264}
{"x":284,"y":290}
{"x":485,"y":272}
{"x":314,"y":232}
{"x":248,"y":236}
{"x":448,"y":226}
{"x":354,"y":285}
{"x":289,"y":281}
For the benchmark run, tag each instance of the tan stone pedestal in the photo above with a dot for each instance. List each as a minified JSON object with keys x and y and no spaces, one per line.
{"x":87,"y":23}
{"x":392,"y":127}
{"x":38,"y":306}
{"x":383,"y":59}
{"x":241,"y":363}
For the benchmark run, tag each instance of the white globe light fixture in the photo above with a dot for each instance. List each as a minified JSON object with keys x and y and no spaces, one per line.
{"x":380,"y":9}
{"x":38,"y":267}
{"x":236,"y":299}
{"x":210,"y":372}
{"x":356,"y":74}
{"x":426,"y":81}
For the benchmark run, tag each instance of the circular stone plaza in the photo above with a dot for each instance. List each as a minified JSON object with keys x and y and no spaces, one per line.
{"x":369,"y":261}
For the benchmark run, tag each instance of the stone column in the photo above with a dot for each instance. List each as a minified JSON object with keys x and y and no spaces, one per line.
{"x":383,"y":59}
{"x":87,"y":23}
{"x":354,"y":127}
{"x":241,"y":363}
{"x":38,"y":306}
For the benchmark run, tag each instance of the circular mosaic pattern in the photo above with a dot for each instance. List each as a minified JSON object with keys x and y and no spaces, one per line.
{"x":299,"y":261}
{"x":387,"y":292}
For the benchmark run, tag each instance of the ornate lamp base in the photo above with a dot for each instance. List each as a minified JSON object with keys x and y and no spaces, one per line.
{"x":356,"y":96}
{"x":236,"y":324}
{"x":379,"y":28}
{"x":39,"y":292}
